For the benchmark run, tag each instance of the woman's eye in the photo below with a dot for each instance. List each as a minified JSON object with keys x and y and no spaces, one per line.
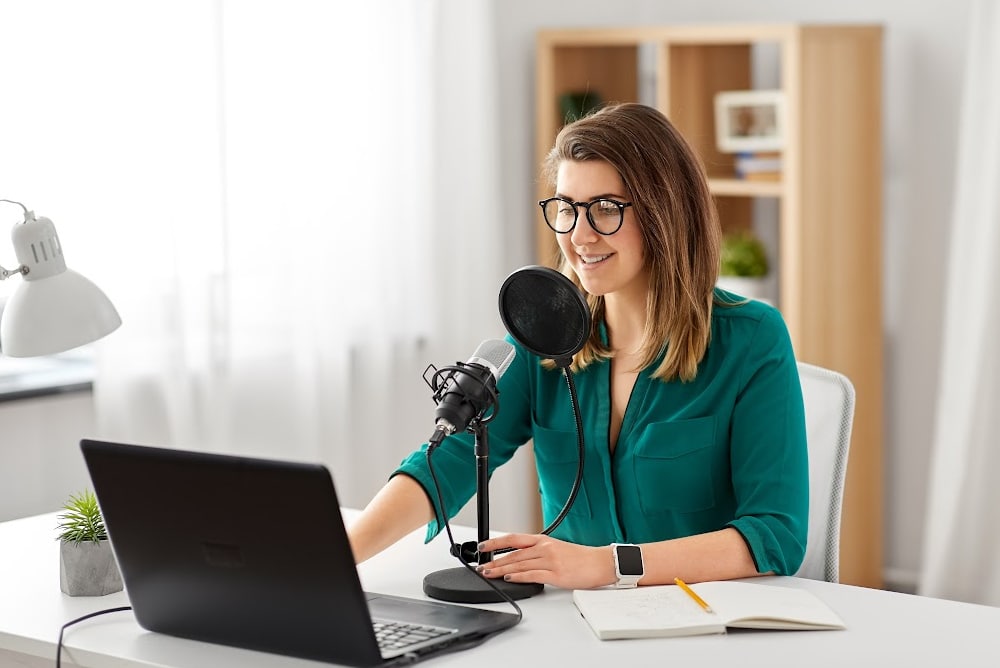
{"x":606,"y":208}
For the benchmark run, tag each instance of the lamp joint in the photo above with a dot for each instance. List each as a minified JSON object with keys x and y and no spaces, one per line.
{"x":7,"y":273}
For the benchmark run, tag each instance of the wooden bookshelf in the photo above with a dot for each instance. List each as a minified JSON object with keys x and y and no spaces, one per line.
{"x":828,"y":199}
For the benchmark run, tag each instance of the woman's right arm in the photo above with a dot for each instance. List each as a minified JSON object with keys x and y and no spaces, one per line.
{"x":399,"y":508}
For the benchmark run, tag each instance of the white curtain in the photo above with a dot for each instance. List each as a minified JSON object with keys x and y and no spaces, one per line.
{"x":293,"y":203}
{"x":962,"y":538}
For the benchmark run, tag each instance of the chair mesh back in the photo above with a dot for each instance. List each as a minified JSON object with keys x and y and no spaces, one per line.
{"x":829,"y":410}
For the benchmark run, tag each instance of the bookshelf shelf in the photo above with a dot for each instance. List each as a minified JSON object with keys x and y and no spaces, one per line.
{"x":745,"y":188}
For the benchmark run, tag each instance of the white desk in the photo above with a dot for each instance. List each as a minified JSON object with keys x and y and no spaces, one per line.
{"x":884,"y":628}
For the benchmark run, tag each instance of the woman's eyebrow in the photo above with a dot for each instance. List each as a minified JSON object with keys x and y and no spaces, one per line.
{"x":603,"y":196}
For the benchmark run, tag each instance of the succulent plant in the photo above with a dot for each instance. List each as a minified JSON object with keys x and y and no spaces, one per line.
{"x":81,"y":519}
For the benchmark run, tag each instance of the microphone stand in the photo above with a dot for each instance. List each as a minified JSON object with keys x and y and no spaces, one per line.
{"x":463,"y":584}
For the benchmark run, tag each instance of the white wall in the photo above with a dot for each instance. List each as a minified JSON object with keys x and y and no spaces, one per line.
{"x":923,"y":64}
{"x":40,"y":460}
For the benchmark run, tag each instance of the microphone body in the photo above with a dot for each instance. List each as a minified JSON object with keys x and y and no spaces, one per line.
{"x":470,"y":388}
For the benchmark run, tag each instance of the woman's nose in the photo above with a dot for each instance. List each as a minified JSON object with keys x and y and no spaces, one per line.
{"x":583,"y":233}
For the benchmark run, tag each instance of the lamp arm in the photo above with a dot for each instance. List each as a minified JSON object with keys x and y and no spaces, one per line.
{"x":27,"y":214}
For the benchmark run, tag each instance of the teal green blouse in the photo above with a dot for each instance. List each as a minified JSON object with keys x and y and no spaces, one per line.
{"x":727,"y":449}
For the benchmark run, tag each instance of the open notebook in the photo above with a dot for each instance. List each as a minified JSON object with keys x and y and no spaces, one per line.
{"x":664,"y":611}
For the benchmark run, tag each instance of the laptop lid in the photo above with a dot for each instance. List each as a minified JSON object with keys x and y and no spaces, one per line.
{"x":252,"y":553}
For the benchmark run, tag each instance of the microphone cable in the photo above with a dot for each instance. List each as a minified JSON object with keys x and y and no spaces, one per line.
{"x":451,"y":539}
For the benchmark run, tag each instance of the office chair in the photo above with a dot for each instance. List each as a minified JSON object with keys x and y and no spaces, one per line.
{"x":829,"y":410}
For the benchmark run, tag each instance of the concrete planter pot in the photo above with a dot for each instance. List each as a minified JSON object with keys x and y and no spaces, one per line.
{"x":88,"y":568}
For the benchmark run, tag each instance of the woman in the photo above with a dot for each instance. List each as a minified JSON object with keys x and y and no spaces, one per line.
{"x":693,"y":418}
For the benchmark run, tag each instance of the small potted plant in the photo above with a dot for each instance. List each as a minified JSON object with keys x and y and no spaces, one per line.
{"x":87,"y":566}
{"x":744,"y":266}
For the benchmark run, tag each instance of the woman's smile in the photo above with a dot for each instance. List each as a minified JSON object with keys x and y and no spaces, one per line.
{"x":592,"y":261}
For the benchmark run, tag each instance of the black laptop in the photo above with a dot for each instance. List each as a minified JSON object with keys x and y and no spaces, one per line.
{"x":253,"y":553}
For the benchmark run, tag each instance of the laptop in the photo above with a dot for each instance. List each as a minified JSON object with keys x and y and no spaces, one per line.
{"x":253,"y":553}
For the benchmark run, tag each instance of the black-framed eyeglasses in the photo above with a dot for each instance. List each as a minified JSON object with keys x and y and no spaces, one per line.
{"x":604,"y":215}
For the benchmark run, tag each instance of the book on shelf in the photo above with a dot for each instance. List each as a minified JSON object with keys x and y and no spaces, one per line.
{"x":758,"y":166}
{"x":668,"y":610}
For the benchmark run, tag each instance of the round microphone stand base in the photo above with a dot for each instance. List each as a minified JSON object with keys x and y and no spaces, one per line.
{"x":460,"y":585}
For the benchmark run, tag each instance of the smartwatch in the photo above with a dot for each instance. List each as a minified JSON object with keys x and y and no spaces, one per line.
{"x":628,"y":564}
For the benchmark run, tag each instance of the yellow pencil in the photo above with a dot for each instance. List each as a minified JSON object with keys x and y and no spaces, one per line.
{"x":690,"y":592}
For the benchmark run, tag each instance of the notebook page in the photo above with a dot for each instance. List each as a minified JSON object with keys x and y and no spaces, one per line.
{"x":761,"y":606}
{"x":644,"y":612}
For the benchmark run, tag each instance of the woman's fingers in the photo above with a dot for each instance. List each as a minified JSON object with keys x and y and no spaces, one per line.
{"x":540,"y":558}
{"x":516,"y":541}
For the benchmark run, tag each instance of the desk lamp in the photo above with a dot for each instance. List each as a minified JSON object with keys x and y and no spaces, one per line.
{"x":55,"y":308}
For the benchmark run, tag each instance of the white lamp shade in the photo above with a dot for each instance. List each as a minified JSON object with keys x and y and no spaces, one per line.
{"x":55,"y":314}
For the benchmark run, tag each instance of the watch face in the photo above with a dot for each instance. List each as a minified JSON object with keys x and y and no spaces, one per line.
{"x":629,"y":559}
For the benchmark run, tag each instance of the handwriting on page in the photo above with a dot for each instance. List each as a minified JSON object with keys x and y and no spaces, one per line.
{"x":662,"y":606}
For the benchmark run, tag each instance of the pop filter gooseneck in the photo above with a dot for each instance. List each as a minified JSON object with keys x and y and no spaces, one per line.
{"x":547,"y":314}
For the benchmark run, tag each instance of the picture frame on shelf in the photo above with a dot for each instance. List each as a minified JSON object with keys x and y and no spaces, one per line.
{"x":750,"y":120}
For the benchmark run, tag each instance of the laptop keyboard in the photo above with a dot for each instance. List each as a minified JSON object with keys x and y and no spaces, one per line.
{"x":399,"y":635}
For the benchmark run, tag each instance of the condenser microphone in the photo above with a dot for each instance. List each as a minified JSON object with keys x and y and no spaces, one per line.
{"x":469,"y":389}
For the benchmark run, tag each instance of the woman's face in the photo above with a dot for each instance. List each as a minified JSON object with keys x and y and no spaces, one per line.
{"x":605,"y":264}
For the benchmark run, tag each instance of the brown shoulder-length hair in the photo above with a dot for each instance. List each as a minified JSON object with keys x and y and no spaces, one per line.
{"x":672,"y":205}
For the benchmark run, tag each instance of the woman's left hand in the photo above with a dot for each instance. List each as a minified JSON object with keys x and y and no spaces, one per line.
{"x":547,"y":560}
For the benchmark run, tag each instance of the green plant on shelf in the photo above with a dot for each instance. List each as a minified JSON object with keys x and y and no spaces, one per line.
{"x":575,"y":105}
{"x":743,"y":254}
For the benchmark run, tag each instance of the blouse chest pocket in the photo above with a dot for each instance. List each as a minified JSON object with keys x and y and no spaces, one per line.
{"x":673,"y":466}
{"x":557,"y":457}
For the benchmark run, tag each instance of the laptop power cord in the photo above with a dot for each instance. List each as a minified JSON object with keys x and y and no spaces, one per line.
{"x":80,"y":619}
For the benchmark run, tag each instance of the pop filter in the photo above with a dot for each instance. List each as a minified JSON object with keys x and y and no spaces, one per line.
{"x":545,"y":312}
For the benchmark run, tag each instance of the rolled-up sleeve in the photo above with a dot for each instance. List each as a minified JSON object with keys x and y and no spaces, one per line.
{"x":768,"y":453}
